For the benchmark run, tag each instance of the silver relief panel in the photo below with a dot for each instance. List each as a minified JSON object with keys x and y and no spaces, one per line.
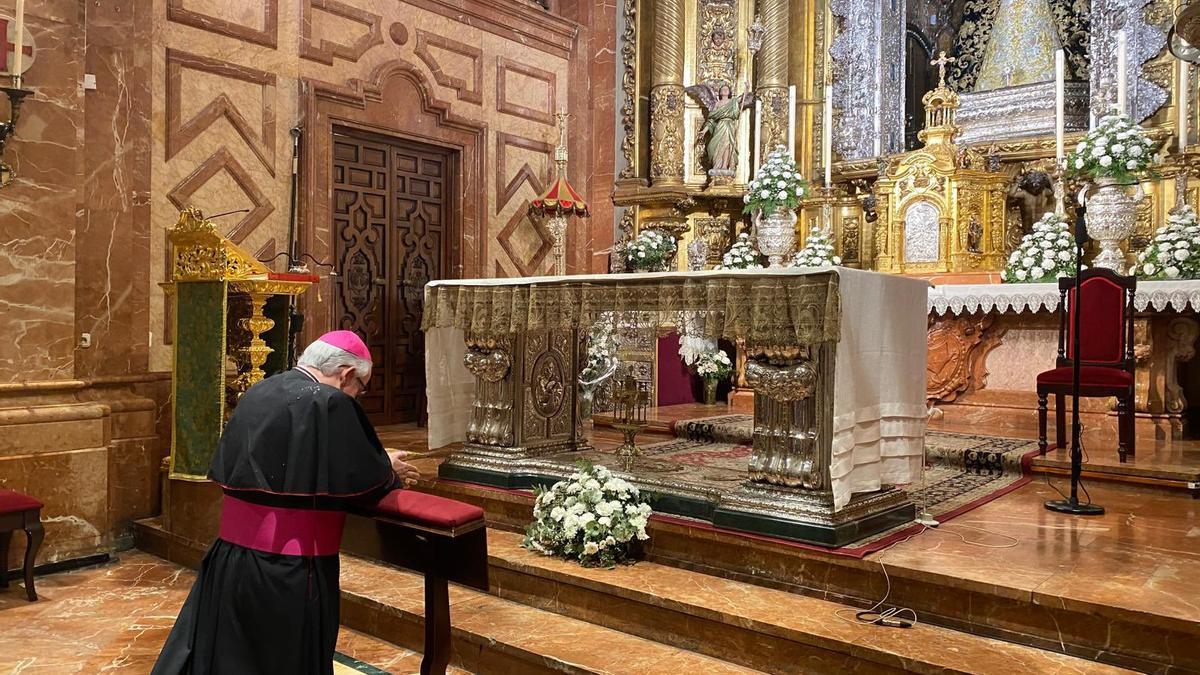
{"x":866,"y":55}
{"x":921,"y":233}
{"x":1145,"y":41}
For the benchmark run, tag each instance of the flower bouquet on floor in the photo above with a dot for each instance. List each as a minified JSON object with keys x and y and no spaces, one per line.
{"x":713,"y":367}
{"x":650,"y":251}
{"x":817,"y":251}
{"x":1045,"y":254}
{"x":1174,"y":253}
{"x":591,"y":517}
{"x":742,"y":256}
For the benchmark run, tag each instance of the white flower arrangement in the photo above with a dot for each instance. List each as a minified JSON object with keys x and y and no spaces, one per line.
{"x":1045,"y":254}
{"x":601,"y":355}
{"x":742,"y":256}
{"x":1174,"y":253}
{"x":817,"y":251}
{"x":650,"y":251}
{"x":778,"y":183}
{"x":1117,"y":148}
{"x":592,"y":517}
{"x":714,"y":365}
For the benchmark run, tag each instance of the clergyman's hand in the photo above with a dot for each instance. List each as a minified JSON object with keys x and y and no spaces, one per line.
{"x":406,"y":472}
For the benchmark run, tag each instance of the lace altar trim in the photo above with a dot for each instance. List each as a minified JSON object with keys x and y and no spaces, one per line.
{"x":968,"y":299}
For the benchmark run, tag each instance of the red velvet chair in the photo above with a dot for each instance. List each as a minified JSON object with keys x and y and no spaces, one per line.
{"x":20,"y":512}
{"x":1106,"y":353}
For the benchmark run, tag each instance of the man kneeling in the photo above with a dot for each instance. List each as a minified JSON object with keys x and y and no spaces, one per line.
{"x":296,"y":454}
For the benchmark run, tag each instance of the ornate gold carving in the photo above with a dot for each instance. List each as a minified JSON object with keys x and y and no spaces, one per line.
{"x":850,"y":239}
{"x":489,"y":366}
{"x":629,"y":90}
{"x":956,"y":360}
{"x":666,"y":134}
{"x":1143,"y":225}
{"x":774,"y":117}
{"x":716,"y":231}
{"x":257,"y":351}
{"x":202,"y":254}
{"x":717,"y":42}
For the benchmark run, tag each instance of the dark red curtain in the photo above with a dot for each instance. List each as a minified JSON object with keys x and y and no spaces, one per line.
{"x":676,"y":382}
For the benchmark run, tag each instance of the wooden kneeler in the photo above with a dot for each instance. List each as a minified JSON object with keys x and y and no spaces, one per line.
{"x":443,"y":539}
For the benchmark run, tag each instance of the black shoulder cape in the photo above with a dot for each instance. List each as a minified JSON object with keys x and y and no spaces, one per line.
{"x":291,"y":435}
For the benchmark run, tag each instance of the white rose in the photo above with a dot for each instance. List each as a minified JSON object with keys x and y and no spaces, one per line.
{"x":1131,"y":165}
{"x":765,"y":194}
{"x":605,"y":521}
{"x":782,"y":194}
{"x":591,"y":548}
{"x":1118,"y":148}
{"x":1037,"y":273}
{"x":1148,"y":268}
{"x":1064,"y":256}
{"x":1079,"y":163}
{"x":1027,"y":262}
{"x":641,"y":254}
{"x":1098,"y":152}
{"x":558,"y":513}
{"x":1081,"y":147}
{"x":1135,"y":151}
{"x":1106,"y":161}
{"x":1021,"y":274}
{"x":1181,"y":255}
{"x":1172,"y":271}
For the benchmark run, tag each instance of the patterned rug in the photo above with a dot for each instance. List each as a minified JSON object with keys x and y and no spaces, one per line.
{"x":963,"y":471}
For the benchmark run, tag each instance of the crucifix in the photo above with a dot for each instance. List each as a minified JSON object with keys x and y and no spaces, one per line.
{"x":941,"y":62}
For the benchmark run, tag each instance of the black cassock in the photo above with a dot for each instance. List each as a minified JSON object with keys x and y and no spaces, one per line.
{"x":293,"y":446}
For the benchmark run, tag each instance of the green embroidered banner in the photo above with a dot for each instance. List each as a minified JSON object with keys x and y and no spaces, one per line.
{"x":199,"y":385}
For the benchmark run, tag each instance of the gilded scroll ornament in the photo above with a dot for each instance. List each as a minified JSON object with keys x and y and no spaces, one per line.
{"x":489,"y":366}
{"x":666,"y":133}
{"x":717,"y":42}
{"x":788,"y":383}
{"x":629,"y":89}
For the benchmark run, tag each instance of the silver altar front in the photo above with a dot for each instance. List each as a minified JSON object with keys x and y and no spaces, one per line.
{"x":836,"y":359}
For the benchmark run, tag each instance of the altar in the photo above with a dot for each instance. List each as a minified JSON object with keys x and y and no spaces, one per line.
{"x":835,"y":357}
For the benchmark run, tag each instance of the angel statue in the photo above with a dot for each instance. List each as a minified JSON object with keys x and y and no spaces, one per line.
{"x":722,"y":108}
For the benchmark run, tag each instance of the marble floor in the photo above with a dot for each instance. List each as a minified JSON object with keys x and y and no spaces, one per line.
{"x":114,"y":618}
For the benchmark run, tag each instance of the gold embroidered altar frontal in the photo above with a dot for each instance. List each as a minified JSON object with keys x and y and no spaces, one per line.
{"x":764,"y":309}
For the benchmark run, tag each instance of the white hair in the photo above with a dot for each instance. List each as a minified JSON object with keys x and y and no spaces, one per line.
{"x":329,"y":359}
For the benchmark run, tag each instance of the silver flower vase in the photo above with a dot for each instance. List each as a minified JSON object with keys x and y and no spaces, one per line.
{"x":1111,"y":213}
{"x":776,"y":234}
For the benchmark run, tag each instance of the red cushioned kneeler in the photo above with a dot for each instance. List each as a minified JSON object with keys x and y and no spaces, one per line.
{"x":1106,"y":353}
{"x":19,"y":511}
{"x":443,"y":539}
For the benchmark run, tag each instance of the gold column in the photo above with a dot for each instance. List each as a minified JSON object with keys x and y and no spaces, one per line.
{"x":257,"y":351}
{"x":666,"y":95}
{"x":773,"y":75}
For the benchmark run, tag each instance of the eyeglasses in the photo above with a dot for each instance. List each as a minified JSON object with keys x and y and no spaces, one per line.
{"x":362,"y":387}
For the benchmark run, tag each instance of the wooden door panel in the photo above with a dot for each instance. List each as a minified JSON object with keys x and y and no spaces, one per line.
{"x":390,"y":226}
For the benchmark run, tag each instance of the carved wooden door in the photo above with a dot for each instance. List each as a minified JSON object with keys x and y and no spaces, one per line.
{"x":389,"y":227}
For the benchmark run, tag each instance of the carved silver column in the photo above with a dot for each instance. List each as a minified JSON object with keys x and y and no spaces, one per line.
{"x":525,"y":403}
{"x":790,"y":463}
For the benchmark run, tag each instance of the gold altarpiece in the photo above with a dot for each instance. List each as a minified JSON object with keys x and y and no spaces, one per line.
{"x":940,"y":209}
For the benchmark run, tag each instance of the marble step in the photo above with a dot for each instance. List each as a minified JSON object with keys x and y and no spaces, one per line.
{"x":494,"y":635}
{"x":757,"y":627}
{"x":1111,"y":603}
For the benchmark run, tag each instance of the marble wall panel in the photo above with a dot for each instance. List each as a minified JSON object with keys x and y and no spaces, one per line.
{"x":38,"y":211}
{"x":73,"y":485}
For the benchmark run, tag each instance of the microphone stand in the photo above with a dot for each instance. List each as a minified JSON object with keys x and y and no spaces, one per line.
{"x":1072,"y":506}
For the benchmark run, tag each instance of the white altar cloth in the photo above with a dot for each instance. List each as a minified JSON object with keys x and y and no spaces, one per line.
{"x":969,"y":298}
{"x":879,"y":376}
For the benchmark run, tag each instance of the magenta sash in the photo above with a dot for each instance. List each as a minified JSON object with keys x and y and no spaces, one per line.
{"x":273,"y":529}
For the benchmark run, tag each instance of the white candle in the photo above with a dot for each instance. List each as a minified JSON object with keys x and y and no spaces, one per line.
{"x":1185,"y":95}
{"x":757,"y":132}
{"x":791,"y":119}
{"x":19,"y":41}
{"x":1121,"y":67}
{"x":827,"y":137}
{"x":1060,"y":95}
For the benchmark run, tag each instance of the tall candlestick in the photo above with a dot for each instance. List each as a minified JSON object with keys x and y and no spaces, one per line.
{"x":792,"y":119}
{"x":827,"y":136}
{"x":757,"y":133}
{"x":19,"y":42}
{"x":1060,"y":94}
{"x":1121,"y":67}
{"x":1185,"y":95}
